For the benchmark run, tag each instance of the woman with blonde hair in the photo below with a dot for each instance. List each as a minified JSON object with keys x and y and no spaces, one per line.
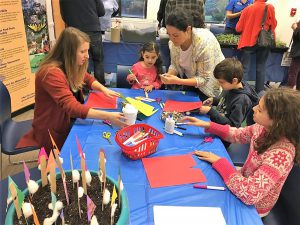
{"x":58,"y":91}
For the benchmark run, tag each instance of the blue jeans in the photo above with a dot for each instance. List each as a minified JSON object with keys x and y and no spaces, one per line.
{"x":261,"y":59}
{"x":96,"y":56}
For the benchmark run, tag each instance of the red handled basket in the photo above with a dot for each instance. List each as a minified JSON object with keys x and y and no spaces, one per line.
{"x":142,"y":149}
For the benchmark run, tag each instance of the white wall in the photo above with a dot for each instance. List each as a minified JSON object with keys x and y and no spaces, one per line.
{"x":284,"y":21}
{"x":152,"y":9}
{"x":282,"y":12}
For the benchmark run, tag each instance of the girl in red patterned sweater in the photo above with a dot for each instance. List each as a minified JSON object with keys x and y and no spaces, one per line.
{"x":274,"y":147}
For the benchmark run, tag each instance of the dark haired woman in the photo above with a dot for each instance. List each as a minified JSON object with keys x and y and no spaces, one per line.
{"x":194,"y":54}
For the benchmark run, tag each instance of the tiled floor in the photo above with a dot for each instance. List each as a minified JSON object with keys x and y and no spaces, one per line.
{"x":7,"y":169}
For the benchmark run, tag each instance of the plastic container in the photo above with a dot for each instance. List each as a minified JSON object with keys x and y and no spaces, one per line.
{"x":139,"y":31}
{"x":130,"y":113}
{"x":170,"y":124}
{"x":142,"y":149}
{"x":123,"y":218}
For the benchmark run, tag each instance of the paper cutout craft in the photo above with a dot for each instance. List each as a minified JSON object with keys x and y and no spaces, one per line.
{"x":100,"y":101}
{"x":113,"y":196}
{"x":176,"y":106}
{"x":42,"y":153}
{"x":79,"y":148}
{"x":90,"y":207}
{"x":172,"y":170}
{"x":26,"y":172}
{"x":142,"y":107}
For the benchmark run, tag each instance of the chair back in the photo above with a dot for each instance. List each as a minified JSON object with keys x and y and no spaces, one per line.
{"x":5,"y":106}
{"x":122,"y":72}
{"x":290,"y":197}
{"x":286,"y":209}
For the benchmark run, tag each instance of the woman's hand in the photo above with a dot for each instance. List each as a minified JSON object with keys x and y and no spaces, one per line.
{"x":204,"y":109}
{"x":207,"y":156}
{"x":169,"y":79}
{"x":110,"y":93}
{"x":208,"y":102}
{"x":195,"y":122}
{"x":117,"y":118}
{"x":148,"y":88}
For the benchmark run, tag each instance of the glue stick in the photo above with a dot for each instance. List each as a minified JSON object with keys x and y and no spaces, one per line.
{"x":170,"y":124}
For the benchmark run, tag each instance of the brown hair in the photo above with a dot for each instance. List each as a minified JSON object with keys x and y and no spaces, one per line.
{"x":64,"y":55}
{"x":152,"y":47}
{"x":283,"y":107}
{"x":228,"y":69}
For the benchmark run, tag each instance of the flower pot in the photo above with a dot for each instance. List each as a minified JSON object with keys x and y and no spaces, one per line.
{"x":123,"y":217}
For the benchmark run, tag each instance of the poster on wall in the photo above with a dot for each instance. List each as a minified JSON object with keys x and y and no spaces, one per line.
{"x":23,"y":44}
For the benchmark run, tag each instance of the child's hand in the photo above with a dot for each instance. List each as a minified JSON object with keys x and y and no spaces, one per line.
{"x":207,"y":156}
{"x":204,"y":109}
{"x":148,"y":88}
{"x":195,"y":122}
{"x":208,"y":102}
{"x":169,"y":78}
{"x":131,"y":77}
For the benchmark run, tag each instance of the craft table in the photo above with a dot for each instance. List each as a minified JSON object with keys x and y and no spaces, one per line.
{"x":141,"y":197}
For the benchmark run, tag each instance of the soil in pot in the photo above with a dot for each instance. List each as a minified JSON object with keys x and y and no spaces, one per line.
{"x":42,"y":198}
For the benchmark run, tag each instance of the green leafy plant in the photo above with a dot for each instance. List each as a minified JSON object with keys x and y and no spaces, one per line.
{"x":231,"y":39}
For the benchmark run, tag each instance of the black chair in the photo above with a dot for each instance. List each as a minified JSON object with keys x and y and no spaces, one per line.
{"x":286,"y":209}
{"x":122,"y":72}
{"x":238,"y":153}
{"x":10,"y":130}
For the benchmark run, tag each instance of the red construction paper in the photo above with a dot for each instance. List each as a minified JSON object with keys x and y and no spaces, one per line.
{"x":175,"y":106}
{"x":99,"y":100}
{"x":172,"y":170}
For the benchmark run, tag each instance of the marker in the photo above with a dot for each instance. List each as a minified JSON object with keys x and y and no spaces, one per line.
{"x":182,"y":123}
{"x":181,"y":128}
{"x":210,"y":187}
{"x":178,"y":133}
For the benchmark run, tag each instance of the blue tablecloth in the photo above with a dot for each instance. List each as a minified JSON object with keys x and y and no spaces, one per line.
{"x":141,"y":196}
{"x":128,"y":53}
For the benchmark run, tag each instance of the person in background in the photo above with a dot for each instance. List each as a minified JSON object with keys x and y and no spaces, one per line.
{"x":233,"y":12}
{"x":294,"y":69}
{"x":237,"y":99}
{"x":111,"y":9}
{"x":194,"y":54}
{"x":249,"y":25}
{"x":145,"y":73}
{"x":58,"y":92}
{"x":161,"y":14}
{"x":274,"y":147}
{"x":190,"y":7}
{"x":84,"y":15}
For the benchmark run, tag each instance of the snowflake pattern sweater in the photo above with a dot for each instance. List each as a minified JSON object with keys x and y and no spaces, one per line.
{"x":261,"y":179}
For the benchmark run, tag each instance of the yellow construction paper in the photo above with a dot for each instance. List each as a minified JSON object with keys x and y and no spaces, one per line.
{"x":142,"y":107}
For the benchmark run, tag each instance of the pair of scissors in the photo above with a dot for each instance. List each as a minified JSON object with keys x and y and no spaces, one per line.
{"x":107,"y":135}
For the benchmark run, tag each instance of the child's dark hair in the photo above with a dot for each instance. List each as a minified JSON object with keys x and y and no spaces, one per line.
{"x":182,"y":19}
{"x":150,"y":47}
{"x":228,"y":69}
{"x":283,"y":106}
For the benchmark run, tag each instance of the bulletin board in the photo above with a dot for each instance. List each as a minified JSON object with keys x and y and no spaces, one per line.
{"x":24,"y":42}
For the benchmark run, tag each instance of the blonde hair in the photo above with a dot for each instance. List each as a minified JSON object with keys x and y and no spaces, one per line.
{"x":283,"y":106}
{"x":64,"y":55}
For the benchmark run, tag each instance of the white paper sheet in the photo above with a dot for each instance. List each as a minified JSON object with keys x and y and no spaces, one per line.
{"x":179,"y":215}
